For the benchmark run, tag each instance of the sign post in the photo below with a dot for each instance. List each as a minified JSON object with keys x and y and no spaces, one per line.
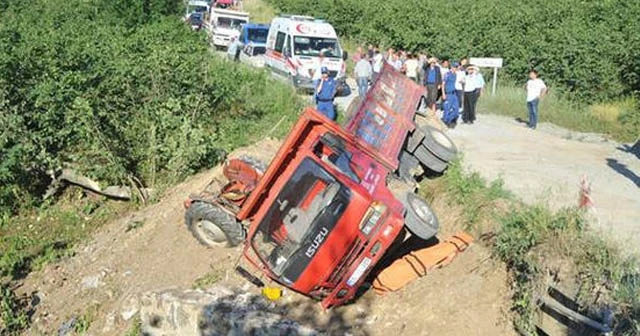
{"x":485,"y":62}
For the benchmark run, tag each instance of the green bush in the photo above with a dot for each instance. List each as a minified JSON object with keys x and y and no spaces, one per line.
{"x":588,"y":47}
{"x":118,"y":90}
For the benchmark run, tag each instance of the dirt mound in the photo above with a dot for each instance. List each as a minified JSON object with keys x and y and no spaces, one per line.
{"x":118,"y":264}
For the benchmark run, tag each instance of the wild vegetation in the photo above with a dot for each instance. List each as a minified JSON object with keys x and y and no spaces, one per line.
{"x":536,"y":242}
{"x":120,"y":91}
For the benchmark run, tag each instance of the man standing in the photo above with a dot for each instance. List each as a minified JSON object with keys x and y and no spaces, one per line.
{"x":536,"y":89}
{"x":411,"y":67}
{"x":378,"y":62}
{"x":451,"y":105}
{"x":459,"y":80}
{"x":433,"y":83}
{"x":317,"y":73}
{"x":363,"y":72}
{"x":470,"y":97}
{"x":325,"y":93}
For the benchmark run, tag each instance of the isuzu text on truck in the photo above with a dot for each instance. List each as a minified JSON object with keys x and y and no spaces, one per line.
{"x":334,"y":199}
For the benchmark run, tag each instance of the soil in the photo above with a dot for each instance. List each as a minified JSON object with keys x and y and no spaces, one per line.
{"x":469,"y":296}
{"x":546,"y":166}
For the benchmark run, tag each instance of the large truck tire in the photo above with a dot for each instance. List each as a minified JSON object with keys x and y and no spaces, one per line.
{"x":419,"y":219}
{"x":429,"y":160}
{"x":213,"y":226}
{"x":439,"y":143}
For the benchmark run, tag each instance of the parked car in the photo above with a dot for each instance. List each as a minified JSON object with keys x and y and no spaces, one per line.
{"x":250,"y":46}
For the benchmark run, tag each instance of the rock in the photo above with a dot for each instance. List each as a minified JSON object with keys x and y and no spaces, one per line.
{"x":90,"y":282}
{"x":217,"y":311}
{"x":130,"y":308}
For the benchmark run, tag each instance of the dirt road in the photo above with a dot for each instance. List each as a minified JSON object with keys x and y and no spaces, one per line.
{"x":546,"y":165}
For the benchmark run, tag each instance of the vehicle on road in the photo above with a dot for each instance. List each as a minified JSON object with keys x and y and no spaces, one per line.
{"x":294,"y":45}
{"x":250,"y":46}
{"x":195,"y":13}
{"x":334,"y":200}
{"x":224,"y":25}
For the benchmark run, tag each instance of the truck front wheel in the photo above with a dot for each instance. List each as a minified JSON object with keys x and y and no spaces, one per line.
{"x":213,"y":226}
{"x":420,"y":219}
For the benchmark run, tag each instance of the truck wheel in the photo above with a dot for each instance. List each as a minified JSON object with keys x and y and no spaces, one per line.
{"x":420,"y":219}
{"x":409,"y":167}
{"x":439,"y":143}
{"x":429,"y":160}
{"x":213,"y":226}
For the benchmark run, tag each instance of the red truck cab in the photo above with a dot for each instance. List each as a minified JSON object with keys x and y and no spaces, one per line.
{"x":323,"y":216}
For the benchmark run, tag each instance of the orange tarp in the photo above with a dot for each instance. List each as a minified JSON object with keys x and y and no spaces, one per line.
{"x":419,"y":263}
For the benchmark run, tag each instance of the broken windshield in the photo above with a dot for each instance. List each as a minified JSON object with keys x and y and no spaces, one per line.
{"x":296,"y":225}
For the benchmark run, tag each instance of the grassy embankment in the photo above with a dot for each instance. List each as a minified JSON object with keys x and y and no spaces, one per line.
{"x":537,"y":243}
{"x":119,"y":92}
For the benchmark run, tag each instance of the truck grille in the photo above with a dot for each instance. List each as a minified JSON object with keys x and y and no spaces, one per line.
{"x":259,"y":50}
{"x":355,"y":250}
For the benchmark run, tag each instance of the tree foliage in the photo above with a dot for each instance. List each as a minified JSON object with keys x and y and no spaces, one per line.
{"x":590,"y":48}
{"x":116,"y":89}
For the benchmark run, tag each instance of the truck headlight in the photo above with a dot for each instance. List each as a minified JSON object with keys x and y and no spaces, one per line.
{"x":372,"y":217}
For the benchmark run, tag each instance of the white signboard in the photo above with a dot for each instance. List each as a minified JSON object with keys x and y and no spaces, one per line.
{"x":485,"y":62}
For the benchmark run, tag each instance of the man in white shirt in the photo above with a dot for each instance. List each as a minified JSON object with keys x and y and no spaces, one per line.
{"x":411,"y":67}
{"x":363,"y":72}
{"x":459,"y":71}
{"x":536,"y":89}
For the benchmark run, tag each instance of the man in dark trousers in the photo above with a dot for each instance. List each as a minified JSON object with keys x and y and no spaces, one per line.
{"x":433,"y":82}
{"x":325,"y":94}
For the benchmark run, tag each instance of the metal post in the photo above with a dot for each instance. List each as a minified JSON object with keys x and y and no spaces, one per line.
{"x":495,"y":80}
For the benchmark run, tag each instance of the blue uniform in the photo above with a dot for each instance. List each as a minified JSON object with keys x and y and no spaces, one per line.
{"x":451,"y":105}
{"x":324,"y":98}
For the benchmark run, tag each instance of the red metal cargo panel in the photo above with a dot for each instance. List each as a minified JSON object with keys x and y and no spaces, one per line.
{"x":383,"y":120}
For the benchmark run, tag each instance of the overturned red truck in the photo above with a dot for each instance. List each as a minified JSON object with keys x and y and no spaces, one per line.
{"x":334,"y":199}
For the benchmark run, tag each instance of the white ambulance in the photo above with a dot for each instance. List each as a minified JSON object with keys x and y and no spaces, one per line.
{"x":294,"y":45}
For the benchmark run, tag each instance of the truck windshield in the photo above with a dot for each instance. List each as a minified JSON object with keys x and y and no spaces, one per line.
{"x":296,"y":225}
{"x":226,"y":22}
{"x":312,"y":46}
{"x":258,"y":35}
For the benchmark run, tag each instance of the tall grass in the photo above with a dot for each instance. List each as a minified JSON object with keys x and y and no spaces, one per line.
{"x":559,"y":109}
{"x":259,"y":11}
{"x":531,"y":239}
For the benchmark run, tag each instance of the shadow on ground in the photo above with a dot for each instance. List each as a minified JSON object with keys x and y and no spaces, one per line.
{"x":624,"y":171}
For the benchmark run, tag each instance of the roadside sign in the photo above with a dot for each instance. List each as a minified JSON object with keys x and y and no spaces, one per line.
{"x":488,"y":62}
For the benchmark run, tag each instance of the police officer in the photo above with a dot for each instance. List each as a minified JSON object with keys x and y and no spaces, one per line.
{"x":325,"y":93}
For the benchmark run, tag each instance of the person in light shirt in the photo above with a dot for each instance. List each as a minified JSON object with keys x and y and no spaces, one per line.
{"x":536,"y":89}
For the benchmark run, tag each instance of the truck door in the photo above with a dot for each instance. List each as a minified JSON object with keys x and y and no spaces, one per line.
{"x":288,"y":57}
{"x":279,"y":61}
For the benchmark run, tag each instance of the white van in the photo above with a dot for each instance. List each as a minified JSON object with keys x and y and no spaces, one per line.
{"x":294,"y":44}
{"x":224,"y":26}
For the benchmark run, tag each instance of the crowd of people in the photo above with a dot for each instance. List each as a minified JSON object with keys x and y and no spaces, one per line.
{"x":457,"y":85}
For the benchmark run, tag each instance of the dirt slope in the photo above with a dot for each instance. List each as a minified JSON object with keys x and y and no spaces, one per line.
{"x":470,"y":296}
{"x":547,"y":165}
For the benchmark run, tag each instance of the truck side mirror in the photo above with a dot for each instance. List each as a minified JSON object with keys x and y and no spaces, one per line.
{"x":345,"y":55}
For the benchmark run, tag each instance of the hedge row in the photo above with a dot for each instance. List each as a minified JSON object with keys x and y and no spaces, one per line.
{"x":118,"y":90}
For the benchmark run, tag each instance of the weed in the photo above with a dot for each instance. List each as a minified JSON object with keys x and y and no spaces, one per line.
{"x":136,"y":327}
{"x":13,"y":319}
{"x":208,"y":279}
